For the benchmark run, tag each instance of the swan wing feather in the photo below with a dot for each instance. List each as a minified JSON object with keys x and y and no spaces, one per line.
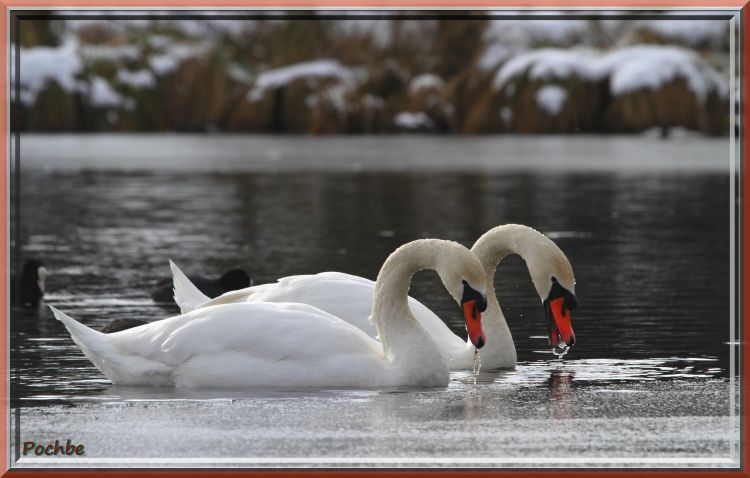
{"x":186,"y":294}
{"x":245,"y":344}
{"x":346,"y":296}
{"x":269,"y":343}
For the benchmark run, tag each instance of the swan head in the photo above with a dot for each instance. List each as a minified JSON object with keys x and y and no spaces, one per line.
{"x":33,"y":285}
{"x":34,"y":271}
{"x":557,"y":306}
{"x":553,"y":279}
{"x":463,"y":277}
{"x":42,"y":273}
{"x":473,"y":303}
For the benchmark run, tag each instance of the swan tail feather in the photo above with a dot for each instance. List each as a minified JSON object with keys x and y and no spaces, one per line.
{"x":77,"y":330}
{"x":115,"y":362}
{"x":94,"y":344}
{"x":187,"y":296}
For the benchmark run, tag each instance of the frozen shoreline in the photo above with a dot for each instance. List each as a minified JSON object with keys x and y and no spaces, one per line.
{"x":400,"y":153}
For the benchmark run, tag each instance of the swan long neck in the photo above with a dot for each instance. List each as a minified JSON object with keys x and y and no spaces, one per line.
{"x":399,"y":331}
{"x":496,"y":245}
{"x":542,"y":256}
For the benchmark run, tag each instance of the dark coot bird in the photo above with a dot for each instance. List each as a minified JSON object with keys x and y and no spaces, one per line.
{"x":235,"y":279}
{"x":32,"y":283}
{"x":118,"y":325}
{"x":163,"y":292}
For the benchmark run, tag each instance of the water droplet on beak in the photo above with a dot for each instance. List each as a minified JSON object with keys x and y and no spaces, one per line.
{"x":560,"y":350}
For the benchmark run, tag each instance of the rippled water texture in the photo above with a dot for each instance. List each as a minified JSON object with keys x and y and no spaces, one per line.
{"x":648,"y":378}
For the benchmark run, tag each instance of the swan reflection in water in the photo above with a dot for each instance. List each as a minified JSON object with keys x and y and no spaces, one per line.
{"x":505,"y":383}
{"x":560,"y":384}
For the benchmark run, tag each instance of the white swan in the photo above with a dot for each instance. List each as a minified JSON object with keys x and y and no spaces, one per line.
{"x":292,"y":344}
{"x":549,"y":269}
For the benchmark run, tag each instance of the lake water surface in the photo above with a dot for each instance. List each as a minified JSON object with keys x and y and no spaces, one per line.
{"x":644,"y":222}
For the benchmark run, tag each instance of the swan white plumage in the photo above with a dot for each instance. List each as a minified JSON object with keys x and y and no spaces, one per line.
{"x":548,"y":267}
{"x":292,"y":344}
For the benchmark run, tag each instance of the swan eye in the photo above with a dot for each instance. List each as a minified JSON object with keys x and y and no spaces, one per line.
{"x":557,"y":291}
{"x":472,"y":294}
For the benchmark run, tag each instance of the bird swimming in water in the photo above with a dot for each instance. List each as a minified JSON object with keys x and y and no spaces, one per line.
{"x":118,"y":325}
{"x":163,"y":291}
{"x":32,"y":283}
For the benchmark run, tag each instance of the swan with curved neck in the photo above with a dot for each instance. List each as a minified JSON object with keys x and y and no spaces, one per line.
{"x":548,"y":267}
{"x":551,"y":274}
{"x":276,"y":344}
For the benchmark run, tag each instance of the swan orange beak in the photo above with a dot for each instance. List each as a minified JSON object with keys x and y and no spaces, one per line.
{"x":558,"y":323}
{"x":474,"y":323}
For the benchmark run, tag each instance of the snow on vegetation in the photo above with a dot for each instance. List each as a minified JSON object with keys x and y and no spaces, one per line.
{"x":98,"y":19}
{"x":102,"y":95}
{"x":379,"y":30}
{"x":539,"y":66}
{"x":527,"y":32}
{"x":412,"y":120}
{"x":173,"y":56}
{"x":650,"y":67}
{"x":41,"y":65}
{"x":494,"y":55}
{"x":548,"y":64}
{"x":506,"y":114}
{"x":159,"y":41}
{"x":239,"y":74}
{"x":197,"y":28}
{"x":551,"y":99}
{"x":137,"y":80}
{"x":208,"y":27}
{"x":628,"y":69}
{"x":521,"y":34}
{"x":313,"y":70}
{"x":373,"y":101}
{"x":108,"y":53}
{"x":690,"y":32}
{"x":426,"y":81}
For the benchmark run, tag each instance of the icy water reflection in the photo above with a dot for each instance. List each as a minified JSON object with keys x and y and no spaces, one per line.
{"x":649,"y":246}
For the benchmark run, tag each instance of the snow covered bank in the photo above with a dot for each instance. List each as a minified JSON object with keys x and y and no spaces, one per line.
{"x":324,"y":69}
{"x":551,"y":98}
{"x":426,"y":81}
{"x":359,"y":75}
{"x":413,"y":121}
{"x":41,"y":65}
{"x":626,"y":70}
